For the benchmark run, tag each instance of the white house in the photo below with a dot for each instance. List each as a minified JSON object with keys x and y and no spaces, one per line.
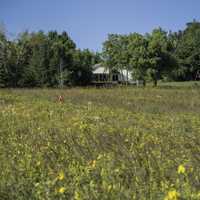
{"x":103,"y":75}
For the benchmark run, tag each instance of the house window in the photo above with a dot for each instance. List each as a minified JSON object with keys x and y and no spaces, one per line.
{"x":105,"y":77}
{"x":95,"y":77}
{"x":115,"y":77}
{"x":101,"y":77}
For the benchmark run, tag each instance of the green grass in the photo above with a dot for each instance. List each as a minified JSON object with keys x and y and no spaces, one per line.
{"x":181,"y":84}
{"x":119,"y":143}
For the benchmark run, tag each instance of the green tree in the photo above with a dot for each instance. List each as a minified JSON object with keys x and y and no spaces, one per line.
{"x":139,"y":56}
{"x":3,"y":59}
{"x":61,"y":57}
{"x":188,"y":52}
{"x":161,"y":61}
{"x":35,"y":74}
{"x":115,"y":52}
{"x":81,"y":73}
{"x":24,"y":54}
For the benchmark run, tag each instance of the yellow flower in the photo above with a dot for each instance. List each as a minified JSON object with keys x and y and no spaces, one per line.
{"x":181,"y":169}
{"x":109,"y":187}
{"x":38,"y":163}
{"x":99,"y":156}
{"x":117,"y":170}
{"x":61,"y":176}
{"x":172,"y":195}
{"x":61,"y":190}
{"x":77,"y":196}
{"x":93,"y":163}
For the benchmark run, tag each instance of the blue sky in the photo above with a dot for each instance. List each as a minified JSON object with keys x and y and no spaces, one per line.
{"x":89,"y":21}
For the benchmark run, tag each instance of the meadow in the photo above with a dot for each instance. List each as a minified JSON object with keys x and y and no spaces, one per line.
{"x":121,"y":143}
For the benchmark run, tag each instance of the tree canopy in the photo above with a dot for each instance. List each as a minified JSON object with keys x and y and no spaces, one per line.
{"x":52,"y":59}
{"x":44,"y":60}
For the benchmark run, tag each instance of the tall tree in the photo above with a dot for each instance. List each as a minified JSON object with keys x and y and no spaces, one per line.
{"x":161,"y":60}
{"x":3,"y":59}
{"x":138,"y":53}
{"x":24,"y":54}
{"x":35,"y":74}
{"x":61,"y":60}
{"x":81,"y":73}
{"x":115,"y":52}
{"x":188,"y":52}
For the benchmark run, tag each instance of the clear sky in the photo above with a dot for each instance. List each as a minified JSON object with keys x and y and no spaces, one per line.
{"x":89,"y":21}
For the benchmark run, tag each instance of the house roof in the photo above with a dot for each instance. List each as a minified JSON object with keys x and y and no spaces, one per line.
{"x":100,"y":69}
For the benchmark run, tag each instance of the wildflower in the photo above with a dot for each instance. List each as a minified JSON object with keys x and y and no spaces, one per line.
{"x":89,"y":103}
{"x":61,"y":176}
{"x":172,"y":195}
{"x":96,"y":118}
{"x":126,"y":140}
{"x":191,"y":169}
{"x":117,"y":170}
{"x":109,"y":187}
{"x":181,"y":169}
{"x":77,"y":196}
{"x":99,"y":156}
{"x":38,"y":163}
{"x":61,"y":190}
{"x":37,"y":184}
{"x":93,"y":163}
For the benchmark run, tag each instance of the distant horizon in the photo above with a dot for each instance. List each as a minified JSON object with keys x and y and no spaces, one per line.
{"x":88,"y":23}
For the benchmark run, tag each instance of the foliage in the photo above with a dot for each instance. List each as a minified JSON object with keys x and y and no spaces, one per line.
{"x":82,"y":70}
{"x":156,"y":56}
{"x":43,"y":60}
{"x":188,"y":52}
{"x":161,"y":61}
{"x":3,"y":53}
{"x":139,"y":58}
{"x":115,"y":52}
{"x":52,"y":59}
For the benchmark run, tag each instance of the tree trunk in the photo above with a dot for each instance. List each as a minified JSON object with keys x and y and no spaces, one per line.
{"x":126,"y":77}
{"x":155,"y":82}
{"x":144,"y":83}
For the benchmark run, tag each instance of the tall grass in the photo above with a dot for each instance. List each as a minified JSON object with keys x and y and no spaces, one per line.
{"x":120,"y":143}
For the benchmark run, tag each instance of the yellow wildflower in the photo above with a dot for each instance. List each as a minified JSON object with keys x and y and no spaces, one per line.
{"x":117,"y":170}
{"x":93,"y":163}
{"x":61,"y":190}
{"x":181,"y":169}
{"x":61,"y":176}
{"x":172,"y":195}
{"x":99,"y":156}
{"x":109,"y":187}
{"x":77,"y":196}
{"x":38,"y":163}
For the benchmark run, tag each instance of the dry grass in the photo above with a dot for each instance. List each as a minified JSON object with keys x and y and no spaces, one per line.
{"x":120,"y":143}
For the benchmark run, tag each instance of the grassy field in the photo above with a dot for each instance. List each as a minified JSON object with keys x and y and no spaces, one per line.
{"x":181,"y":84}
{"x":105,"y":144}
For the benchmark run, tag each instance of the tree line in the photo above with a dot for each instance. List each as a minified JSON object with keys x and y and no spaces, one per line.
{"x":44,"y":60}
{"x":170,"y":56}
{"x":52,"y":59}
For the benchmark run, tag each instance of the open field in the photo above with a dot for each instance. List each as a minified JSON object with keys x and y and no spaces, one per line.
{"x":105,"y":144}
{"x":181,"y":84}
